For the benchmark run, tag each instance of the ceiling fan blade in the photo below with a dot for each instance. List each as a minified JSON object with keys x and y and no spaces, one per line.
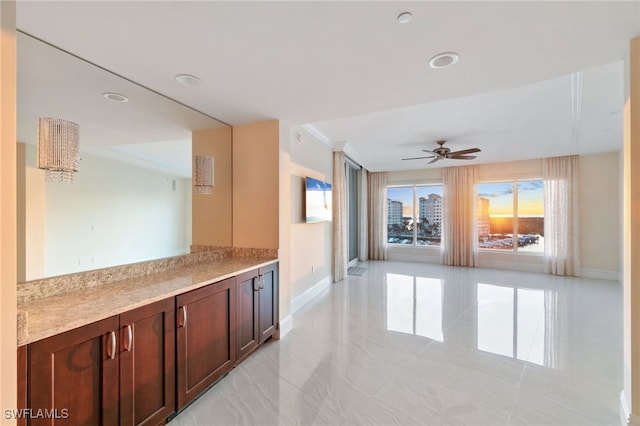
{"x":462,"y":157}
{"x":434,"y":160}
{"x":418,"y":158}
{"x":464,"y":151}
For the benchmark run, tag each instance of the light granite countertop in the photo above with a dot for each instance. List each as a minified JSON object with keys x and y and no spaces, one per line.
{"x":52,"y":315}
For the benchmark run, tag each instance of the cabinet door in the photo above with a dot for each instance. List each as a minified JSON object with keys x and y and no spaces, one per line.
{"x":206,"y":337}
{"x":268,"y":321}
{"x":247,"y":296}
{"x":22,"y":382}
{"x":147,"y":364}
{"x":74,"y":375}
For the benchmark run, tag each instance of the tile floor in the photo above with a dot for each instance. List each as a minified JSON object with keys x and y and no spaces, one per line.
{"x":421,"y":344}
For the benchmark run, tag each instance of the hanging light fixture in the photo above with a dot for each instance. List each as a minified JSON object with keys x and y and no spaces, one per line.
{"x":58,"y":149}
{"x":203,"y":174}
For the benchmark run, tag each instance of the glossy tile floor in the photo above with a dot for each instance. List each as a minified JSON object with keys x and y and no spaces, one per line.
{"x":427,"y":344}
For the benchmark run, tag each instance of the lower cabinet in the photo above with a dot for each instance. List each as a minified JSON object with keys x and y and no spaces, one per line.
{"x":206,"y":339}
{"x":140,"y":367}
{"x":256,"y":307}
{"x":116,"y":371}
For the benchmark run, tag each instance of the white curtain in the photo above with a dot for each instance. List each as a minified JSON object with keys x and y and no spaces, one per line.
{"x":377,"y":188}
{"x":339,"y":201}
{"x":561,"y":246}
{"x":459,"y":244}
{"x":363,"y":233}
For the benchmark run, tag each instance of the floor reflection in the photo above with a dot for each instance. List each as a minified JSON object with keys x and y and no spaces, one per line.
{"x":414,"y":305}
{"x":515,"y":322}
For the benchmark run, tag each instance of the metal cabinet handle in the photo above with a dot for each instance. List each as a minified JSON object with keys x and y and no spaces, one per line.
{"x":183,"y":323}
{"x":256,"y":283}
{"x":261,"y":281}
{"x":129,"y":342}
{"x":111,"y":345}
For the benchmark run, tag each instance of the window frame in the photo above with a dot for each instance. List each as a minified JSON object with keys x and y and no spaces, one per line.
{"x":415,"y":213}
{"x":515,"y":229}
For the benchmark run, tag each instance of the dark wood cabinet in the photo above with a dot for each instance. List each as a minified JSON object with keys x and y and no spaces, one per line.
{"x":74,"y":375}
{"x":139,"y":367}
{"x":247,"y":313}
{"x":268,"y":306}
{"x":206,"y":338}
{"x":147,"y":364}
{"x":120,"y":370}
{"x":256,"y":308}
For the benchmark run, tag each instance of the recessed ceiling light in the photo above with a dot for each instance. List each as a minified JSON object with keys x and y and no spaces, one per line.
{"x":443,"y":60}
{"x":188,"y":79}
{"x":115,"y":97}
{"x":405,"y":17}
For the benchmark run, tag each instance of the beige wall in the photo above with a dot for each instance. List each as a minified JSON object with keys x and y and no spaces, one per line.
{"x":311,"y":243}
{"x":8,"y":221}
{"x":256,"y":185}
{"x":599,"y":204}
{"x":212,"y":213}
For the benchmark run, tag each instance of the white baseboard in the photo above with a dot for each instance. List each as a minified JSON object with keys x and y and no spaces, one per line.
{"x":402,"y":257}
{"x":624,"y":410}
{"x":299,"y":301}
{"x":601,"y":274}
{"x":286,"y":325}
{"x":510,"y":266}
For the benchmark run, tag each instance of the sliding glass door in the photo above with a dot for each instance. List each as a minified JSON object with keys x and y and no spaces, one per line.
{"x":353,"y":195}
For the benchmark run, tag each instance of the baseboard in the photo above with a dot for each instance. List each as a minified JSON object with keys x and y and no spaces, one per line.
{"x":286,"y":325}
{"x":601,"y":274}
{"x":510,"y":266}
{"x":299,"y":301}
{"x":401,"y":257}
{"x":624,"y":410}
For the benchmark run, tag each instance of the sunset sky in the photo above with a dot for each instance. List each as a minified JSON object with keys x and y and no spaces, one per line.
{"x":500,"y":195}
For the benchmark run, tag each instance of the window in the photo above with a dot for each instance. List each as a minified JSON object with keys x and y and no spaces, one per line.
{"x":414,"y":215}
{"x":508,"y":209}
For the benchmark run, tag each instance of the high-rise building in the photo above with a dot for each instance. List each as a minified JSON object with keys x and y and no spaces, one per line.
{"x":430,"y":208}
{"x":394,"y":212}
{"x":484,"y":228}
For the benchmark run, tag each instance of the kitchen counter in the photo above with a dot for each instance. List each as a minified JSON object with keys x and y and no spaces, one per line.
{"x":52,"y":315}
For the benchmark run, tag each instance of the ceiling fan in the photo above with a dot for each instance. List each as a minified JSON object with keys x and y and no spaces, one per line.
{"x":441,"y":153}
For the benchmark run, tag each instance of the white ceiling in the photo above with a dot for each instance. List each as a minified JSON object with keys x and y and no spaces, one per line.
{"x":358,"y":76}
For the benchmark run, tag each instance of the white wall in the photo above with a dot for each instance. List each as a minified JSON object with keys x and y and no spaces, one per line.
{"x":600,"y":212}
{"x":311,"y":243}
{"x":113,"y":214}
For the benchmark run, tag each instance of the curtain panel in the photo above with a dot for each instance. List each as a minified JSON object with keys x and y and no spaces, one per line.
{"x":459,"y":243}
{"x":339,"y":200}
{"x":561,"y":228}
{"x":377,"y":188}
{"x":363,"y":243}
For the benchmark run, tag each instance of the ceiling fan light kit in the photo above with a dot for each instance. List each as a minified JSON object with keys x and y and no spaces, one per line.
{"x":442,"y":153}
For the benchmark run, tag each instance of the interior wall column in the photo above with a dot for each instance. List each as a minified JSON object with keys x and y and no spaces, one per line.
{"x":630,"y":397}
{"x":8,"y":220}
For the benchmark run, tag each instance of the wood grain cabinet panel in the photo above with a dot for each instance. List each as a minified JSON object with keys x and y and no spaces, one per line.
{"x":256,"y":308}
{"x":206,"y":339}
{"x":147,"y":364}
{"x":116,"y":371}
{"x":74,"y":375}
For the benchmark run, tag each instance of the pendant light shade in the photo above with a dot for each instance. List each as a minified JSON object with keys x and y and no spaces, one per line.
{"x":58,"y":149}
{"x":203,"y":174}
